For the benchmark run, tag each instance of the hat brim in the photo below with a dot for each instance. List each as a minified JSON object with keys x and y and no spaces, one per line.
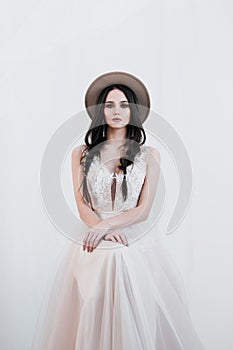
{"x":123,"y":78}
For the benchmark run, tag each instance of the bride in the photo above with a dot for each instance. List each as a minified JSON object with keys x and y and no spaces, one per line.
{"x":120,"y":289}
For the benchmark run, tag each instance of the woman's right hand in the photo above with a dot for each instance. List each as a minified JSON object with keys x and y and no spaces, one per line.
{"x":116,"y":236}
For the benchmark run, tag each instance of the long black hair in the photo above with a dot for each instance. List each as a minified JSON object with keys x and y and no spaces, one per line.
{"x":97,"y":134}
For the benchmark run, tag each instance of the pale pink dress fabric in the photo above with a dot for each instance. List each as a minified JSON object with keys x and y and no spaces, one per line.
{"x":117,"y":298}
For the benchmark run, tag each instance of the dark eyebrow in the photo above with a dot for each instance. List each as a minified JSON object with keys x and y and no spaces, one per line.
{"x":113,"y":101}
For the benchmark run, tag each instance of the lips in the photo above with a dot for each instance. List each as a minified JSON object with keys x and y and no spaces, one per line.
{"x":116,"y":119}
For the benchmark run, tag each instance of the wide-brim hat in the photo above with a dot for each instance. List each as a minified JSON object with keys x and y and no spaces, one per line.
{"x":123,"y":78}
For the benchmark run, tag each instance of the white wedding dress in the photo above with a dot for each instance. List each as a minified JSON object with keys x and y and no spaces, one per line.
{"x":117,"y":297}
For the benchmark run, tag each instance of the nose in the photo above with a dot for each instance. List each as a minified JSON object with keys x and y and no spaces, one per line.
{"x":116,"y":109}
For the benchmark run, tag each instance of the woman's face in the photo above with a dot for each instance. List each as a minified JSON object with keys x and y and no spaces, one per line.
{"x":116,"y":109}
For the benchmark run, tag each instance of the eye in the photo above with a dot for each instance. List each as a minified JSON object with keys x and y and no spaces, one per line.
{"x":109,"y":105}
{"x":124,"y":105}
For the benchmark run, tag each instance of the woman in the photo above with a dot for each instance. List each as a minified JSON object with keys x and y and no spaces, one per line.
{"x":120,"y":290}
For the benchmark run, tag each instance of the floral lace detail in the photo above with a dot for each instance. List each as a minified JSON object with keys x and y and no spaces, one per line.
{"x":99,"y":182}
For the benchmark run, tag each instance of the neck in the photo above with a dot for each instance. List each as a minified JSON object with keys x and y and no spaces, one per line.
{"x":117,"y":136}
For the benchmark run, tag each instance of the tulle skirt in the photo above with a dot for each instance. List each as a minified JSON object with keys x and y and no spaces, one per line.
{"x":117,"y":298}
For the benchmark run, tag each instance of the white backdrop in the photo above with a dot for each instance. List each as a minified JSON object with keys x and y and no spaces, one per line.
{"x":50,"y":52}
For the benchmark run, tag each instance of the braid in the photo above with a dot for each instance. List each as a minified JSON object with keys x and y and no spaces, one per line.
{"x":132,"y":149}
{"x":86,"y":161}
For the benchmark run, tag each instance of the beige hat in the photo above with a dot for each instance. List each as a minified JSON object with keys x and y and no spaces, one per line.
{"x":123,"y":78}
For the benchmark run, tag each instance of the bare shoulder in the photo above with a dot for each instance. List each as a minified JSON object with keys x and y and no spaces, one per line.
{"x":154,"y":153}
{"x":153,"y":159}
{"x":78,"y":151}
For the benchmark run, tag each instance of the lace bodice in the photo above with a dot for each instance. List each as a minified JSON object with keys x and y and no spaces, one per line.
{"x":99,"y":181}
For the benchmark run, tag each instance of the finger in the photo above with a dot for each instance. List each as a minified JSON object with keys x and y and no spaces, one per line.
{"x":108,"y":237}
{"x":96,"y":241}
{"x":117,"y":237}
{"x":124,"y":239}
{"x":85,"y":240}
{"x":90,"y":241}
{"x":93,"y":242}
{"x":112,"y":238}
{"x":90,"y":245}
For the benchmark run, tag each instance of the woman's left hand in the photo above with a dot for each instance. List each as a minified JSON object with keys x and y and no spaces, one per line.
{"x":92,"y":238}
{"x":116,"y":236}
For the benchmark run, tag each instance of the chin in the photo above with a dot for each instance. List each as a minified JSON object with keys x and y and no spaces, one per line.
{"x":117,"y":126}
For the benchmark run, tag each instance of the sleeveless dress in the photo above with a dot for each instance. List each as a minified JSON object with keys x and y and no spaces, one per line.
{"x":117,"y":297}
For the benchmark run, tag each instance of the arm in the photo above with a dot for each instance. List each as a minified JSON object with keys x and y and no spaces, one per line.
{"x":141,"y":212}
{"x":85,"y":212}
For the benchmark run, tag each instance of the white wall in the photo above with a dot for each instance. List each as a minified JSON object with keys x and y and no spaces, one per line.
{"x":50,"y":52}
